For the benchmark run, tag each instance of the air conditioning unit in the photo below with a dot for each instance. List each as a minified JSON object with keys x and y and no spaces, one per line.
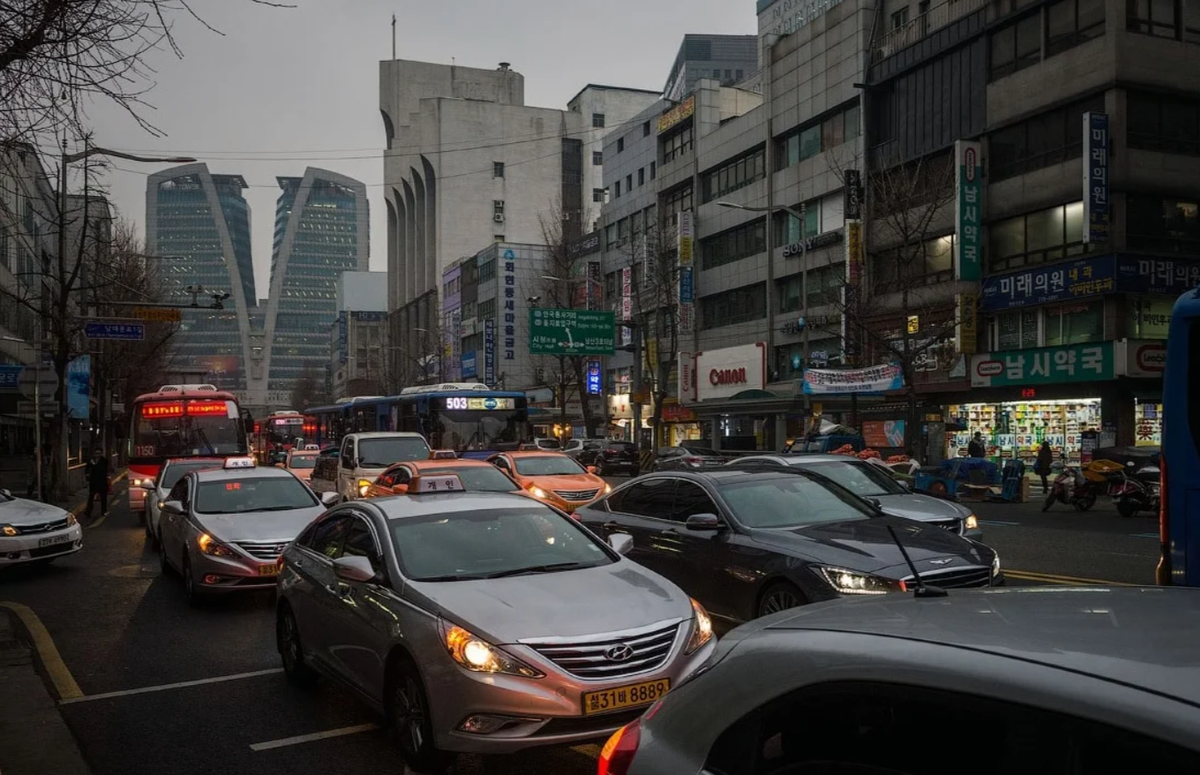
{"x":498,"y":217}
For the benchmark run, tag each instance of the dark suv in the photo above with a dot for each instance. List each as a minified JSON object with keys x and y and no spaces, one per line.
{"x":615,"y":457}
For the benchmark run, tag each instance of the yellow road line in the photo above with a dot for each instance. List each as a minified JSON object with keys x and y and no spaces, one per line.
{"x":52,"y":662}
{"x":1052,"y":578}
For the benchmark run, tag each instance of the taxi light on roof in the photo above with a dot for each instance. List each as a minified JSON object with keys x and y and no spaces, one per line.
{"x":436,"y":483}
{"x":239,"y":462}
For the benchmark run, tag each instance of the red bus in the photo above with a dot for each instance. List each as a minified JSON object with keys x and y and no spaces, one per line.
{"x":279,"y":431}
{"x":181,"y":421}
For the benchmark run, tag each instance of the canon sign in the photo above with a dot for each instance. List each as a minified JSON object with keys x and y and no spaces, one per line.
{"x":725,"y":373}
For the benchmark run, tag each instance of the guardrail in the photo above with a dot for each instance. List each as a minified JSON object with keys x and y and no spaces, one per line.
{"x":922,"y":26}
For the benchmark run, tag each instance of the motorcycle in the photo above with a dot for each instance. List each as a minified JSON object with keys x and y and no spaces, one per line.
{"x":1071,"y":487}
{"x":1141,"y":491}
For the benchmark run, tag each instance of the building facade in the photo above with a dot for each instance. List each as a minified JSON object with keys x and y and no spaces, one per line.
{"x":727,"y":59}
{"x":358,"y":339}
{"x":322,"y":223}
{"x":198,"y":227}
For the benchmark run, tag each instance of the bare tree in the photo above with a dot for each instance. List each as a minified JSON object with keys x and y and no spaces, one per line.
{"x":58,"y":56}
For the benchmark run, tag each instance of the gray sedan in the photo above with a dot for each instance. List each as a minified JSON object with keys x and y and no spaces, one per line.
{"x":867,"y":480}
{"x":482,"y":622}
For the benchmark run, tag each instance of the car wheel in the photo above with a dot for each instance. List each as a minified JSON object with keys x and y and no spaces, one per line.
{"x":408,"y":717}
{"x":191,"y":592}
{"x":287,"y":640}
{"x":1127,"y":507}
{"x":1086,"y":502}
{"x":779,"y":596}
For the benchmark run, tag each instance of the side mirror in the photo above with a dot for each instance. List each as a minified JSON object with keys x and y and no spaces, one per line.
{"x":593,"y":470}
{"x":400,"y":489}
{"x":354,"y":569}
{"x":149,"y":484}
{"x":5,"y":493}
{"x":330,"y":498}
{"x":876,"y":503}
{"x":621,"y":543}
{"x":703,"y":522}
{"x":172,"y":507}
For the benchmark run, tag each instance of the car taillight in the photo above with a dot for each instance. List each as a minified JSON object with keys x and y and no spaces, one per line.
{"x":693,"y":461}
{"x":616,"y":757}
{"x":1162,"y":574}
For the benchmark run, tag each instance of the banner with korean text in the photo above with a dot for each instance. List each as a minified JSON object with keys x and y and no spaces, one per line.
{"x":1095,"y":177}
{"x":968,"y":211}
{"x":875,"y":379}
{"x":1044,"y":365}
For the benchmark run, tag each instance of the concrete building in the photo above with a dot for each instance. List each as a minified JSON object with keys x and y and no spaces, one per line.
{"x":468,"y":163}
{"x":727,"y":59}
{"x":198,"y":225}
{"x":358,"y":339}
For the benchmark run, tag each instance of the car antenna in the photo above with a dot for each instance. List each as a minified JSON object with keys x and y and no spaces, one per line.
{"x":923,"y":589}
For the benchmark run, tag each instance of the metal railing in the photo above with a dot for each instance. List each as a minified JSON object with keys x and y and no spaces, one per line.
{"x":917,"y":29}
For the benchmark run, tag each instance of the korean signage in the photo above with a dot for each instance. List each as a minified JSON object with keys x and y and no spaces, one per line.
{"x":509,"y":274}
{"x":687,"y":285}
{"x":1156,"y":275}
{"x":1048,"y":284}
{"x":368,"y":317}
{"x":883,"y":433}
{"x":161,"y":314}
{"x":469,"y":368}
{"x":854,"y":253}
{"x":453,"y":325}
{"x":571,"y":332}
{"x":685,"y":237}
{"x":675,"y":115}
{"x":854,"y":195}
{"x":968,"y":210}
{"x":687,"y":277}
{"x":626,"y":302}
{"x":874,"y":379}
{"x":79,"y":382}
{"x":489,"y":352}
{"x":1151,"y":317}
{"x":686,"y":372}
{"x":120,"y":330}
{"x":343,"y":338}
{"x":1044,"y":365}
{"x":10,"y":376}
{"x":595,"y":381}
{"x":1095,"y":177}
{"x":725,"y":373}
{"x":966,"y":323}
{"x":584,"y":246}
{"x":1141,"y":358}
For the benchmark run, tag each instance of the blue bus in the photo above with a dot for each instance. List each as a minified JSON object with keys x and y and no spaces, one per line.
{"x":1179,"y":515}
{"x":469,"y":418}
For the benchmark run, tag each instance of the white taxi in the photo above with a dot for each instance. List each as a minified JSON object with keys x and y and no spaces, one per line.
{"x":35,"y":532}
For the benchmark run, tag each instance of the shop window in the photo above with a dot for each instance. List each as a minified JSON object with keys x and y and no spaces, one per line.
{"x":789,"y":358}
{"x":1045,"y":235}
{"x":740,"y":305}
{"x":1041,"y":141}
{"x":1075,"y":323}
{"x":737,"y":243}
{"x":1016,"y":47}
{"x":1071,"y":22}
{"x":1163,"y":225}
{"x":928,"y":263}
{"x":734,"y":175}
{"x":1153,"y":17}
{"x":1018,"y":330}
{"x":1147,"y":417}
{"x":1161,"y":123}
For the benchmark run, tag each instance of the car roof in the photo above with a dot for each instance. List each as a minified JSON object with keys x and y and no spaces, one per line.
{"x":257,"y":472}
{"x":387,"y":434}
{"x":722,"y":476}
{"x":804,"y":459}
{"x":446,"y":463}
{"x":535,"y":453}
{"x":214,"y":461}
{"x":403,"y":506}
{"x":1138,"y":636}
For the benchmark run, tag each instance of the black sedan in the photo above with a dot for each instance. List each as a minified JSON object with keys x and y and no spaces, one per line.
{"x":749,"y":543}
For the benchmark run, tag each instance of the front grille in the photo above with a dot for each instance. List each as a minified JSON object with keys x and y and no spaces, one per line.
{"x":591,"y":659}
{"x":263,"y":550}
{"x":47,"y":551}
{"x":45,"y":527}
{"x":600,"y":723}
{"x":959,"y":578}
{"x":576,"y":495}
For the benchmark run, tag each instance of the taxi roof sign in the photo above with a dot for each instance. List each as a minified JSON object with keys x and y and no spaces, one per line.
{"x":443,"y":454}
{"x":435,"y":483}
{"x":238,"y":462}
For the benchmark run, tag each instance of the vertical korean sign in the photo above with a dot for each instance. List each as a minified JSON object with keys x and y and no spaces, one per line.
{"x":510,"y":309}
{"x":687,"y":287}
{"x":852,"y":288}
{"x":966,"y":324}
{"x":489,"y":352}
{"x":1095,"y":177}
{"x":626,"y":302}
{"x":968,"y":211}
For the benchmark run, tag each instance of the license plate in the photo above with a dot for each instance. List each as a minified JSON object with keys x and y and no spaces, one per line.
{"x":51,"y":541}
{"x":630,"y":696}
{"x":268,"y":570}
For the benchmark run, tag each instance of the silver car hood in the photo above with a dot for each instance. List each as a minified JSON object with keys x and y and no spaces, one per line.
{"x":26,"y":512}
{"x":921,"y":508}
{"x":281,"y":526}
{"x":567,"y":604}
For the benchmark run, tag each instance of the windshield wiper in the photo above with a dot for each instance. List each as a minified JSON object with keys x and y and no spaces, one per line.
{"x":281,"y":508}
{"x":453,"y":577}
{"x":539,"y":569}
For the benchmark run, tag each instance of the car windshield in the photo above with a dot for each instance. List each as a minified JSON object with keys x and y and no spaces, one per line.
{"x":302,"y":461}
{"x":381,"y":453}
{"x":791,"y":501}
{"x":548,"y":465}
{"x":863,"y":479}
{"x":549,"y":444}
{"x":173,"y":472}
{"x":239,"y":496}
{"x":493,"y":544}
{"x":477,"y":478}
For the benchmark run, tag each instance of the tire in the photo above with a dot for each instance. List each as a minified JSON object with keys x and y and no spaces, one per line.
{"x":779,"y":596}
{"x":191,"y":592}
{"x":1086,"y":502}
{"x":291,"y":651}
{"x":1128,"y":507}
{"x":409,"y":722}
{"x":1048,"y":503}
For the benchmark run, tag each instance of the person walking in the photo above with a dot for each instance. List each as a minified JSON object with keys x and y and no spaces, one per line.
{"x":1045,"y":458}
{"x":975,"y":447}
{"x":96,"y":472}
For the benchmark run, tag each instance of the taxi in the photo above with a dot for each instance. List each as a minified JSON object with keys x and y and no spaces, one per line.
{"x":224,"y":529}
{"x":476,"y":476}
{"x":553,"y":477}
{"x":301,"y":463}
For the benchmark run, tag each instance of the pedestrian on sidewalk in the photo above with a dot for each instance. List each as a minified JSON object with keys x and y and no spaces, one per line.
{"x":97,"y":478}
{"x":975,"y":447}
{"x":1045,"y":459}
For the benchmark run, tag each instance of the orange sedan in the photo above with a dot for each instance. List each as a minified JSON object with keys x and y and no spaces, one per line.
{"x":553,"y":477}
{"x":301,"y":463}
{"x":476,"y":476}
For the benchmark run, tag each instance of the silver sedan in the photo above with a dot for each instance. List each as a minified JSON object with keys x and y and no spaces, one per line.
{"x":482,"y":622}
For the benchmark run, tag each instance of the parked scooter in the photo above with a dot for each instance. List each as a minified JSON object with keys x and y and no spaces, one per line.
{"x":1141,"y":491}
{"x":1071,"y":487}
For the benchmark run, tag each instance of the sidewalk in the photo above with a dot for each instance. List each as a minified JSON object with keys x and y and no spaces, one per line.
{"x":34,"y":738}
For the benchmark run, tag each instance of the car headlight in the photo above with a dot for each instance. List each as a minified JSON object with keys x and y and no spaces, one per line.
{"x":479,"y":656}
{"x":995,"y":565}
{"x":972,"y":522}
{"x":72,"y":521}
{"x":363,"y":487}
{"x":851,"y":582}
{"x":8,"y":530}
{"x":702,"y":629}
{"x":607,"y":489}
{"x":538,"y":492}
{"x":213,"y":547}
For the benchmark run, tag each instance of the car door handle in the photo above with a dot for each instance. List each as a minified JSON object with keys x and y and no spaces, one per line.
{"x":613,"y":526}
{"x":669,"y":532}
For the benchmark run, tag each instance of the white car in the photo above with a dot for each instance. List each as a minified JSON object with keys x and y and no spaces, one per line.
{"x":35,"y":532}
{"x":157,"y":489}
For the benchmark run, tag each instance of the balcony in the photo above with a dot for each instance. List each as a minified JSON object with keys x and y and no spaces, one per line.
{"x":916,"y":30}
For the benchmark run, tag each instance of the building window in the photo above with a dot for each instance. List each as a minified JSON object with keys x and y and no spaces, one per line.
{"x":740,"y":305}
{"x":823,"y":286}
{"x":646,"y":129}
{"x":620,"y":144}
{"x":597,"y":158}
{"x":1153,"y":17}
{"x":497,"y":169}
{"x":788,"y":228}
{"x":653,"y":170}
{"x":628,"y":183}
{"x":734,"y":244}
{"x":741,"y":74}
{"x":610,"y":285}
{"x":928,"y":263}
{"x":1036,"y":238}
{"x":1075,"y":323}
{"x":487,"y":309}
{"x":900,"y":18}
{"x":598,"y":120}
{"x":733,"y":175}
{"x":1071,"y":22}
{"x":815,"y":137}
{"x":673,"y":204}
{"x":1017,"y":46}
{"x":1017,"y":330}
{"x":487,"y":271}
{"x":610,"y":236}
{"x":676,"y":145}
{"x":617,"y":190}
{"x":497,"y":238}
{"x":1041,"y":141}
{"x":598,"y":195}
{"x":1163,"y":225}
{"x":498,"y":209}
{"x":1191,"y":21}
{"x":1165,"y":124}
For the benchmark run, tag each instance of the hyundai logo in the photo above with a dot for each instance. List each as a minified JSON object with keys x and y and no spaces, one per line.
{"x":619,"y":653}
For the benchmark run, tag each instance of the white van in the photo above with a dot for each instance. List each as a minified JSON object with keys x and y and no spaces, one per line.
{"x":364,"y":456}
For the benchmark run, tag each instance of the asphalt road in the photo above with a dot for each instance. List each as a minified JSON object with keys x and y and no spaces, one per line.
{"x":128,"y":639}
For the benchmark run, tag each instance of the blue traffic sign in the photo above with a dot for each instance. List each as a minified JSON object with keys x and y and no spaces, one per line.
{"x":130,"y":332}
{"x":10,"y":376}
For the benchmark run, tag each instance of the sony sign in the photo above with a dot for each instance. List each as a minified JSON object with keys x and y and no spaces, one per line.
{"x":725,"y":373}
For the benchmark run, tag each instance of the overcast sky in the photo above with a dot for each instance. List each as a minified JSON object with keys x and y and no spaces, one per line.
{"x":282,"y":89}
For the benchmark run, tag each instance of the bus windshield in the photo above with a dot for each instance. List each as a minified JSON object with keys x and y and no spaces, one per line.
{"x":477,"y":430}
{"x":187,"y":428}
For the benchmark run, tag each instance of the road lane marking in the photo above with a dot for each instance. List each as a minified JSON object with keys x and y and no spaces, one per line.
{"x":1065,"y":580}
{"x":997,"y":523}
{"x":299,"y":739}
{"x":1144,"y":535}
{"x":52,"y":661}
{"x":168,"y":687}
